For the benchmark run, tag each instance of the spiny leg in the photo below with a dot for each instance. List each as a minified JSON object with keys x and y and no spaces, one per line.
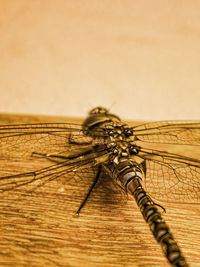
{"x":90,"y":189}
{"x":160,"y":206}
{"x":56,"y":157}
{"x":51,"y":157}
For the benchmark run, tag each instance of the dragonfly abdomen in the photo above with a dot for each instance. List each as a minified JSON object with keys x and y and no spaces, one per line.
{"x":129,"y":176}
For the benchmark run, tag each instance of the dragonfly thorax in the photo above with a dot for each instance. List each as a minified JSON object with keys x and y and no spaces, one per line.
{"x":120,"y":141}
{"x":119,"y":136}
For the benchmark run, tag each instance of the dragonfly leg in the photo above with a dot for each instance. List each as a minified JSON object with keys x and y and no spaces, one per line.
{"x":90,"y":189}
{"x":47,"y":156}
{"x":156,"y":204}
{"x":73,"y":141}
{"x":54,"y":156}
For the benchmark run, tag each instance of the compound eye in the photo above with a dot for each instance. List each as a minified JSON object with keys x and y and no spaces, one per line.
{"x":98,"y":110}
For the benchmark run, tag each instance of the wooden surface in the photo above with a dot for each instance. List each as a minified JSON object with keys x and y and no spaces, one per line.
{"x":41,"y":229}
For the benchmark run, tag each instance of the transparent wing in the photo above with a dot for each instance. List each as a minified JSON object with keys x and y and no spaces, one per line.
{"x":22,"y":140}
{"x":76,"y":167}
{"x":169,"y":132}
{"x":26,"y":148}
{"x":171,"y":177}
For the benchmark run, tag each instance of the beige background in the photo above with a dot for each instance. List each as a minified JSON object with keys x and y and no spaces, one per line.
{"x":139,"y":58}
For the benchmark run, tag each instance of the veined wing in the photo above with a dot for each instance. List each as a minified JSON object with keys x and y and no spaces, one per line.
{"x":39,"y":177}
{"x":171,"y":177}
{"x":169,"y":132}
{"x":22,"y":140}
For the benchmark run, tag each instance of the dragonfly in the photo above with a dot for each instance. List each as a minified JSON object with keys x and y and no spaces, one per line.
{"x":104,"y":144}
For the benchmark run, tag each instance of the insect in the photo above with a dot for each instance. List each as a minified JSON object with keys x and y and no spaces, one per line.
{"x":103,"y":143}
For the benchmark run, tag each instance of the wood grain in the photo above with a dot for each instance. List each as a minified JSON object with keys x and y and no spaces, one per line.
{"x":40,"y":228}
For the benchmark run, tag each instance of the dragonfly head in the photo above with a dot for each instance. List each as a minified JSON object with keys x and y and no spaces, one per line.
{"x":99,"y":110}
{"x":97,"y":118}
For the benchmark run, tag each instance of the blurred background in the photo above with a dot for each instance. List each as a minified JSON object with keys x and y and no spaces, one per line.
{"x":141,"y":59}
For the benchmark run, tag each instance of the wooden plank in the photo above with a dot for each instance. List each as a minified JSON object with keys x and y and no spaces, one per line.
{"x":40,"y":228}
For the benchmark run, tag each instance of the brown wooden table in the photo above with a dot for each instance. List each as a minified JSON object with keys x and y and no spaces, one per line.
{"x":41,"y":229}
